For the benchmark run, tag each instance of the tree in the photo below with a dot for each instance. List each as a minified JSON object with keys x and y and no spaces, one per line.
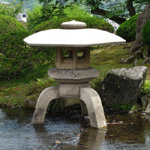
{"x":130,"y":8}
{"x":52,"y":8}
{"x":143,"y":18}
{"x":117,"y":11}
{"x":10,"y":10}
{"x":34,"y":17}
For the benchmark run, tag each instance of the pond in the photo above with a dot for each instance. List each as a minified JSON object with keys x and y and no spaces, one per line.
{"x":124,"y":132}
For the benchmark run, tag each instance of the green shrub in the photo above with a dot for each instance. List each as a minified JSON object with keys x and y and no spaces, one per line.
{"x":17,"y":60}
{"x":70,"y":12}
{"x":146,"y":87}
{"x":146,"y":33}
{"x":127,"y":30}
{"x":92,"y":22}
{"x":9,"y":24}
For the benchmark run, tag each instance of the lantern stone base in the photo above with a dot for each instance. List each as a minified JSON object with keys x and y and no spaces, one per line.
{"x":88,"y":95}
{"x":71,"y":90}
{"x":72,"y":83}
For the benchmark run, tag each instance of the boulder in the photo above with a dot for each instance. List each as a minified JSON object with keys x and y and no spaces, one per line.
{"x":122,"y":86}
{"x":147,"y":110}
{"x":145,"y":99}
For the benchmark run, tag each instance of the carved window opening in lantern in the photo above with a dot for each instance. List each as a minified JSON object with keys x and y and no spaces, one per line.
{"x":73,"y":58}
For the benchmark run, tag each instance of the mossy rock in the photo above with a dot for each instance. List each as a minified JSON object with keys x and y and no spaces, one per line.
{"x":92,"y":22}
{"x":146,"y":33}
{"x":9,"y":25}
{"x":127,"y":30}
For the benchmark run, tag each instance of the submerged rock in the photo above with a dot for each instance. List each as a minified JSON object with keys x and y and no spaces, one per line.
{"x":122,"y":86}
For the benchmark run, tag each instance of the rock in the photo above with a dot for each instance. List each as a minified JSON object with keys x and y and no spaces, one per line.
{"x":29,"y":103}
{"x":57,"y":142}
{"x":144,"y":100}
{"x":127,"y":60}
{"x":122,"y":86}
{"x":146,"y":103}
{"x":32,"y":103}
{"x":147,"y":110}
{"x":147,"y":60}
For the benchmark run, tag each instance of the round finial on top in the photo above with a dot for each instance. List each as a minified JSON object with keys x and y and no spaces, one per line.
{"x":73,"y":25}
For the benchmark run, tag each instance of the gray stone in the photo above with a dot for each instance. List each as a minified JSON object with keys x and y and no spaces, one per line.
{"x":71,"y":90}
{"x":94,"y":107}
{"x":73,"y":76}
{"x":88,"y":95}
{"x":147,"y":110}
{"x":147,"y":60}
{"x":145,"y":99}
{"x":73,"y":25}
{"x":127,"y":60}
{"x":43,"y":101}
{"x":122,"y":86}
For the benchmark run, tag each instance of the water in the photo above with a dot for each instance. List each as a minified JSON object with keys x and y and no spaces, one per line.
{"x":124,"y":132}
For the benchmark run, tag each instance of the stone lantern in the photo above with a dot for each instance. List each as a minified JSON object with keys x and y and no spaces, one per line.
{"x":73,"y":71}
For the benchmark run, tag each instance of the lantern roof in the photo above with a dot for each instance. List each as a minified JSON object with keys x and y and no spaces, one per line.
{"x":76,"y":35}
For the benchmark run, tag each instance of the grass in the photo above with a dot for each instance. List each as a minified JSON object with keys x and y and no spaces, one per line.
{"x":146,"y":87}
{"x":104,"y":58}
{"x":18,"y":95}
{"x":108,"y":57}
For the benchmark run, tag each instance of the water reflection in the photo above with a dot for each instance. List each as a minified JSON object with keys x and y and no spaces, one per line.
{"x":92,"y":139}
{"x":130,"y":131}
{"x":61,"y":133}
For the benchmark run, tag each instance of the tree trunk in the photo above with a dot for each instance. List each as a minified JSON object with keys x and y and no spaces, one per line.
{"x":130,"y":8}
{"x":143,"y":18}
{"x":102,"y":12}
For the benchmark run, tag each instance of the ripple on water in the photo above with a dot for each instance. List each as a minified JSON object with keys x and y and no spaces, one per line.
{"x":62,"y":133}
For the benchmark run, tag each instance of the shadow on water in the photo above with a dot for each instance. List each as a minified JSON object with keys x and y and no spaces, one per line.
{"x":124,"y":132}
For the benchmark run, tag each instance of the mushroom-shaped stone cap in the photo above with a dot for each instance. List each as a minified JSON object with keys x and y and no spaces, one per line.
{"x":73,"y":25}
{"x":72,"y":37}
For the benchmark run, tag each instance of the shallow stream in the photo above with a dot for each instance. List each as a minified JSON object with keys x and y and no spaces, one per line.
{"x":124,"y":132}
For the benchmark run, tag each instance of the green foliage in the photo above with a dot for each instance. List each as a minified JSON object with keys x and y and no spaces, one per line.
{"x":43,"y":82}
{"x":56,"y":105}
{"x":9,"y":24}
{"x":76,"y":11}
{"x":117,"y":8}
{"x":127,"y":30}
{"x":125,"y":107}
{"x":92,"y":22}
{"x":146,"y":87}
{"x":50,"y":10}
{"x":43,"y":13}
{"x":146,"y":33}
{"x":27,"y":5}
{"x":10,"y":10}
{"x":34,"y":17}
{"x":72,"y":12}
{"x":15,"y":58}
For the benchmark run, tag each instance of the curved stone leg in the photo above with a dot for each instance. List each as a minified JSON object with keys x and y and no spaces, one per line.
{"x":94,"y":107}
{"x":42,"y":103}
